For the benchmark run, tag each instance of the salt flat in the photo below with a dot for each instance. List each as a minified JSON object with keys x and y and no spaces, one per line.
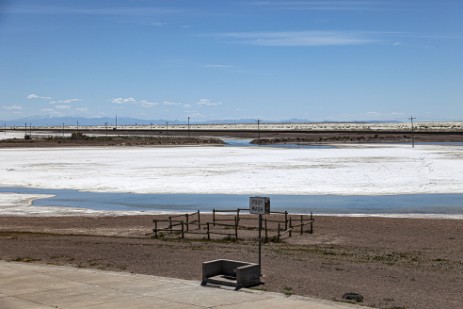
{"x":11,"y":135}
{"x":345,"y":170}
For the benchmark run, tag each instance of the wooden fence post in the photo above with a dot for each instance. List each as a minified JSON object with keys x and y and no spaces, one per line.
{"x":170,"y":224}
{"x":302,"y":224}
{"x":286,"y":220}
{"x":236,"y":228}
{"x":290,"y":227}
{"x":208,"y":234}
{"x":238,"y":216}
{"x":266,"y":231}
{"x":155,"y":228}
{"x":199,"y":220}
{"x":183,"y":233}
{"x":187,"y":223}
{"x":213,"y":216}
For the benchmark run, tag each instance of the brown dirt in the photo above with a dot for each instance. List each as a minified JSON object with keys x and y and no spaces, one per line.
{"x":393,"y":263}
{"x":212,"y":137}
{"x":352,"y":137}
{"x":109,"y":141}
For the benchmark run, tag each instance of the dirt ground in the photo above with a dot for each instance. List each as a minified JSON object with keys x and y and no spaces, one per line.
{"x":392,"y":263}
{"x":213,"y":137}
{"x":108,"y":141}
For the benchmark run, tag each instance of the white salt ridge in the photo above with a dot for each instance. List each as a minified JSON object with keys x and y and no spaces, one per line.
{"x":347,"y":170}
{"x":12,"y":135}
{"x":13,"y":204}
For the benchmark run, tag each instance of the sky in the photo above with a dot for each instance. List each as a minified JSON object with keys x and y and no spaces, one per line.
{"x":332,"y":60}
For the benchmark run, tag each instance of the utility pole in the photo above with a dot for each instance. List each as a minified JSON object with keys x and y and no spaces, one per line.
{"x":413,"y":135}
{"x":116,"y":122}
{"x":258,"y":130}
{"x":188,"y":126}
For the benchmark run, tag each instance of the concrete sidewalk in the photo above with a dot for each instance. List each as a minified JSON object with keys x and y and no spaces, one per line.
{"x":24,"y":286}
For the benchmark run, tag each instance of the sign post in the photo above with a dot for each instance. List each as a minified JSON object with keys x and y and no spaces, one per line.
{"x":259,"y":206}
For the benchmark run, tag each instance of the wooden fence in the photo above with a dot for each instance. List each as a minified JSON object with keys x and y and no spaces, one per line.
{"x":276,"y":225}
{"x":177,"y":225}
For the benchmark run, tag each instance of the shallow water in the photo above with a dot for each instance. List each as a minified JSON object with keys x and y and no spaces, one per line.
{"x":246,"y":142}
{"x":447,"y":204}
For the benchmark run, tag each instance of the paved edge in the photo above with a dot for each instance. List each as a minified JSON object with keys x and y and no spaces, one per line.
{"x":24,"y":285}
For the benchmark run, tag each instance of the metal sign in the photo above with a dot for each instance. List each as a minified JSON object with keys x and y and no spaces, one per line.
{"x":259,"y":205}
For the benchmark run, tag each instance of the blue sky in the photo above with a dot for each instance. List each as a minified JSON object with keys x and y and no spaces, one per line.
{"x":213,"y":59}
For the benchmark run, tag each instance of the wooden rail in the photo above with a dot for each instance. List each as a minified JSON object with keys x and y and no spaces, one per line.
{"x":173,"y":222}
{"x":273,"y":228}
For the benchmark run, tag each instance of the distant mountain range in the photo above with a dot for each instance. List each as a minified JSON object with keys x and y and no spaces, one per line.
{"x":123,"y":121}
{"x":81,"y":121}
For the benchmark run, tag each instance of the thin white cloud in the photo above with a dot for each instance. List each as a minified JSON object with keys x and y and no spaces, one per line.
{"x":65,"y":101}
{"x":206,"y":102}
{"x":62,"y":107}
{"x":147,"y":104}
{"x":326,"y":38}
{"x":13,"y":108}
{"x":170,"y":103}
{"x":131,"y":100}
{"x":34,"y":96}
{"x":417,"y":35}
{"x":327,"y":5}
{"x":123,"y":100}
{"x":110,"y":11}
{"x":81,"y":109}
{"x":300,"y":38}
